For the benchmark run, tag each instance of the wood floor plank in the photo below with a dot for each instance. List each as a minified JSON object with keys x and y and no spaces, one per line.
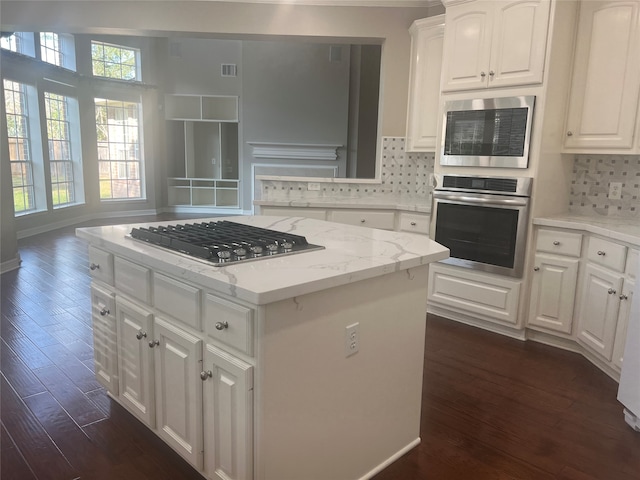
{"x":12,"y":464}
{"x":19,"y":376}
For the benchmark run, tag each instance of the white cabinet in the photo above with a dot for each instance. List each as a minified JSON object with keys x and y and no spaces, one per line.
{"x":228,"y":419}
{"x":105,"y":350}
{"x":623,"y":322}
{"x":135,"y":358}
{"x":367,"y":218}
{"x":427,"y":37}
{"x":603,"y":104}
{"x":553,"y":292}
{"x":494,"y":44}
{"x":598,"y":315}
{"x":213,"y":108}
{"x":178,"y":389}
{"x":414,"y":222}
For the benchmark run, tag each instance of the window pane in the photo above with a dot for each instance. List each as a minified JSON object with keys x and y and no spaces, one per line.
{"x":114,"y":61}
{"x":119,"y":163}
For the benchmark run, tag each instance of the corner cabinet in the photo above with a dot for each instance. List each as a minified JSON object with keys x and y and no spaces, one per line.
{"x":427,"y":36}
{"x":491,"y":44}
{"x":603,"y":103}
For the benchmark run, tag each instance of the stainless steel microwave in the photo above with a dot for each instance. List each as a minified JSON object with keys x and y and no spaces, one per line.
{"x":487,"y":132}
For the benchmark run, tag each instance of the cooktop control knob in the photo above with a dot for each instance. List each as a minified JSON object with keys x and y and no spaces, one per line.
{"x":286,"y":246}
{"x":240,"y":252}
{"x":256,"y":250}
{"x":273,"y":248}
{"x":224,"y":255}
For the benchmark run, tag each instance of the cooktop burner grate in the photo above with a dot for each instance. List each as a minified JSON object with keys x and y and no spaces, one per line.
{"x":223,"y":242}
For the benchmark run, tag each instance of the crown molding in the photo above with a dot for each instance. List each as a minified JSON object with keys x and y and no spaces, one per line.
{"x":335,"y":3}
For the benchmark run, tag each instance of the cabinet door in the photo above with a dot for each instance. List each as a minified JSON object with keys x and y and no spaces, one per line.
{"x":135,"y":360}
{"x":599,"y":307}
{"x":603,"y":102}
{"x":105,"y":350}
{"x":519,"y":42}
{"x":178,"y":362}
{"x":424,"y":84}
{"x":553,"y":292}
{"x":228,"y":416}
{"x":467,"y":46}
{"x":623,"y":322}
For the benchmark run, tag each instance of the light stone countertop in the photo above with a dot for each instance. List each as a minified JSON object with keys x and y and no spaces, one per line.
{"x":351,"y":254}
{"x":386,"y":202}
{"x":616,"y":228}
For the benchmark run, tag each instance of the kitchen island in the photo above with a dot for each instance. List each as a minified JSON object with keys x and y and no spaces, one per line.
{"x":304,"y":366}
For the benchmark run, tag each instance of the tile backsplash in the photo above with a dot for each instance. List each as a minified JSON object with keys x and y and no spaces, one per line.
{"x":592,"y":175}
{"x":402,"y":174}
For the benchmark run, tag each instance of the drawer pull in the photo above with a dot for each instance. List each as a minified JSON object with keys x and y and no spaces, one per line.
{"x":105,"y":311}
{"x":556,"y":243}
{"x":140,"y":335}
{"x":601,"y":253}
{"x":413,"y":224}
{"x":623,"y":296}
{"x":94,"y":266}
{"x":611,"y":291}
{"x":536,"y":269}
{"x":362,"y":220}
{"x":206,"y":374}
{"x":222,"y":325}
{"x":154,"y":343}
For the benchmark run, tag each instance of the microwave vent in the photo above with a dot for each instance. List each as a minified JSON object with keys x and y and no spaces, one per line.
{"x":509,"y":185}
{"x":229,"y":70}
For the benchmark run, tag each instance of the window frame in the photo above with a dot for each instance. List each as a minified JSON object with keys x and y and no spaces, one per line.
{"x":136,"y":55}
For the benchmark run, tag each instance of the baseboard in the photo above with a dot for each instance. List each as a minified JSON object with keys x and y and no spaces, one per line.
{"x":12,"y":264}
{"x":391,"y":459}
{"x":518,"y":334}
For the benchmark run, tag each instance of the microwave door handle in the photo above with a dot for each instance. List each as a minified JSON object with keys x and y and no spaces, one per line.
{"x":511,"y":201}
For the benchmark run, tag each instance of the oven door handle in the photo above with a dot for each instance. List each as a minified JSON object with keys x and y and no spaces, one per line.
{"x":482,"y":200}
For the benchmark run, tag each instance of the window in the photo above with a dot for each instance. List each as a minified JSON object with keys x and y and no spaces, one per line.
{"x":58,"y":49}
{"x":115,"y":61}
{"x":119,"y":156}
{"x":15,"y":98}
{"x":60,"y":158}
{"x":19,"y":42}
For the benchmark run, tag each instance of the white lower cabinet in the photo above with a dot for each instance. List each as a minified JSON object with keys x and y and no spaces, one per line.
{"x":135,"y":359}
{"x":228,"y":419}
{"x":553,"y":292}
{"x":623,"y":321}
{"x":105,"y":349}
{"x":178,"y":360}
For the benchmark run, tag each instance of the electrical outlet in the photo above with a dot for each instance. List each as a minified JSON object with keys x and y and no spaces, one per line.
{"x":615,"y":191}
{"x":351,"y":339}
{"x":314,"y":186}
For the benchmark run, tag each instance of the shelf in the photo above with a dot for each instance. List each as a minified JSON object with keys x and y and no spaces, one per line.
{"x":207,"y":108}
{"x":200,"y":192}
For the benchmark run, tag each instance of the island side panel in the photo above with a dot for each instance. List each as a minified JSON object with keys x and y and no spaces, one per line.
{"x":322,"y":415}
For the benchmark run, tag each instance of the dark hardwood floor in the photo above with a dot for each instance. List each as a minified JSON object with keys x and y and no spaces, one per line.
{"x":493,"y":407}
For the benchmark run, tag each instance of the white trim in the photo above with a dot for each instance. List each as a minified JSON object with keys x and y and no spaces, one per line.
{"x":12,"y":264}
{"x":295,"y":151}
{"x":336,"y":3}
{"x":391,"y":459}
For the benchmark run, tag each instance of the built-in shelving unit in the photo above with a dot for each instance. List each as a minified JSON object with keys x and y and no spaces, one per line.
{"x":203,"y":192}
{"x":205,"y":108}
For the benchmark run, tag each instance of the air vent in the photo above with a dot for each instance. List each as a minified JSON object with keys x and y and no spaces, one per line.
{"x":481,"y":183}
{"x":229,"y":70}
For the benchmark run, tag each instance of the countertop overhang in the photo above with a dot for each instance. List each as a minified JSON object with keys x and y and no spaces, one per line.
{"x":616,"y":228}
{"x":351,"y":254}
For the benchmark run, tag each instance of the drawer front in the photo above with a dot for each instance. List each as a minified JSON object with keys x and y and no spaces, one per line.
{"x":229,"y":323}
{"x":101,"y":265}
{"x":103,"y":302}
{"x":177,"y":299}
{"x":133,"y":279}
{"x":606,"y":253}
{"x":414,"y":222}
{"x":561,"y":243}
{"x":632,"y":263}
{"x":365,"y":218}
{"x":316,"y":213}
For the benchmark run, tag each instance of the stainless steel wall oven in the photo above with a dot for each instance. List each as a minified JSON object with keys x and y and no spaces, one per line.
{"x":482,"y":220}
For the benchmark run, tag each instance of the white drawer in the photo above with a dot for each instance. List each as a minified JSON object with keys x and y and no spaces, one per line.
{"x":316,"y":213}
{"x":632,"y":263}
{"x":103,"y":302}
{"x":101,"y":265}
{"x":365,"y":218}
{"x":178,"y":299}
{"x":561,"y":243}
{"x":229,"y":322}
{"x":414,"y":222}
{"x":133,"y":279}
{"x":606,"y":253}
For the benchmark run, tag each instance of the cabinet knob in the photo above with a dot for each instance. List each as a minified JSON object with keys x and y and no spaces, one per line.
{"x":362,"y":220}
{"x":623,"y":297}
{"x":104,"y":311}
{"x":569,"y":133}
{"x":601,"y":253}
{"x":206,"y":374}
{"x":413,"y":224}
{"x":536,"y":269}
{"x":611,"y":291}
{"x":556,"y":243}
{"x":94,"y":266}
{"x":140,"y":335}
{"x":491,"y":73}
{"x":154,"y":343}
{"x":482,"y":74}
{"x":222,"y":325}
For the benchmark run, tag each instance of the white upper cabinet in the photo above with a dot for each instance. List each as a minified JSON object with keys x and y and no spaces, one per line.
{"x":491,"y":44}
{"x":603,"y":105}
{"x":427,"y":37}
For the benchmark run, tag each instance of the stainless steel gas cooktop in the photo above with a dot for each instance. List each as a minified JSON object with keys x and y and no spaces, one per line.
{"x":223,"y":242}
